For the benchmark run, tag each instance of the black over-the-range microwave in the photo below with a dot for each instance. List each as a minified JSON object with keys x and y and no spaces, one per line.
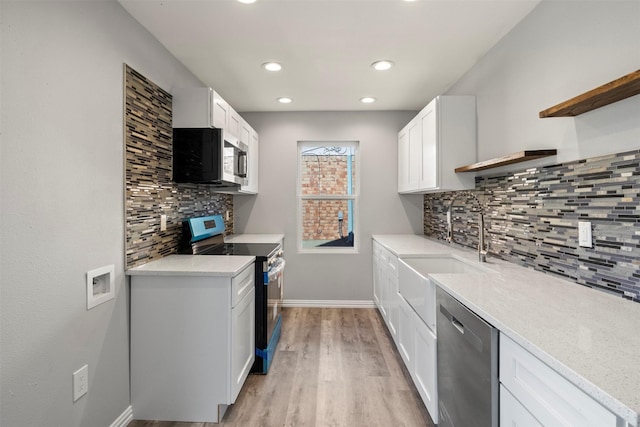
{"x":209,"y":156}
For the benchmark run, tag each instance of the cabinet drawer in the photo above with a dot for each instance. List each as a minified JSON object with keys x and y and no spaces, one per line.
{"x":242,"y":284}
{"x":549,"y":397}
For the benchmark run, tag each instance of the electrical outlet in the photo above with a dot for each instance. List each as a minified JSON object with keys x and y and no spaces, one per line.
{"x":163,"y":223}
{"x":227,"y":215}
{"x":80,"y":382}
{"x":584,"y":234}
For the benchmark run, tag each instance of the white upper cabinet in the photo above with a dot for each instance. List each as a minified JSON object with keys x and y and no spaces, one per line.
{"x":199,"y":107}
{"x":235,"y":123}
{"x":252,"y":159}
{"x":220,"y":111}
{"x":439,"y":139}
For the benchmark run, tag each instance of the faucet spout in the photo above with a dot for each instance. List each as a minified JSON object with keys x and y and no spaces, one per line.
{"x":482,"y":250}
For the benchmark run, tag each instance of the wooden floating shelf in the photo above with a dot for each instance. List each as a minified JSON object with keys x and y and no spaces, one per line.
{"x":509,"y":159}
{"x":617,"y":90}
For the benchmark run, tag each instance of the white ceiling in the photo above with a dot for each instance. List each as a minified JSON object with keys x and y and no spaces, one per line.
{"x":327,"y":47}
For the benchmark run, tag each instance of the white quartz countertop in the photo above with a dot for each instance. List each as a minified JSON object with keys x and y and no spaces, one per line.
{"x":590,"y":337}
{"x":194,"y":265}
{"x":254,"y":238}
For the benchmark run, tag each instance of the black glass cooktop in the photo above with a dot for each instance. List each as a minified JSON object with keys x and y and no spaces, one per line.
{"x":248,"y":249}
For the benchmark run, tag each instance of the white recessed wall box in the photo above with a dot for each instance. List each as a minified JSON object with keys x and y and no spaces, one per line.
{"x":100,"y":285}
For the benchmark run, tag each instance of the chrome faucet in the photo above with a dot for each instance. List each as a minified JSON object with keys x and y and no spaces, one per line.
{"x":482,"y":250}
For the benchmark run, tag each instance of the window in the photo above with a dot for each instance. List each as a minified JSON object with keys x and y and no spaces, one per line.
{"x":328,"y":179}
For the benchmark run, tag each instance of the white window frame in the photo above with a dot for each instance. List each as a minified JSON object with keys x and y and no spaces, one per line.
{"x":302,"y":146}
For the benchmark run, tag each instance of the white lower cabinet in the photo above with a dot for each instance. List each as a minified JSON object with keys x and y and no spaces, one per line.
{"x":406,"y":335}
{"x":385,"y":287}
{"x":243,"y":340}
{"x":192,"y":344}
{"x":414,"y":339}
{"x":425,"y":369}
{"x":544,"y":395}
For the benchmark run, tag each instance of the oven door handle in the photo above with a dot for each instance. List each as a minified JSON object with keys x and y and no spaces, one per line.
{"x":276,"y":269}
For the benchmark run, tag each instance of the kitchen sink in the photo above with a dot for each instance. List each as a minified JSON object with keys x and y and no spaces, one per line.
{"x":419,"y":291}
{"x":446,"y":264}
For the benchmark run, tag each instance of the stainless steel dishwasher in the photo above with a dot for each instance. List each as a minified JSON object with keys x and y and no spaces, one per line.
{"x":467,"y":366}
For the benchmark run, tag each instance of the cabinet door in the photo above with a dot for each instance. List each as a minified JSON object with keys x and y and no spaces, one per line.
{"x":220,"y":112}
{"x":406,"y":334}
{"x":243,"y":341}
{"x":512,"y":413}
{"x":393,"y":305}
{"x":252,"y":164}
{"x":403,"y":160}
{"x":415,"y":155}
{"x":425,"y":372}
{"x":377,"y":277}
{"x":429,"y":168}
{"x":545,"y":393}
{"x":234,"y":123}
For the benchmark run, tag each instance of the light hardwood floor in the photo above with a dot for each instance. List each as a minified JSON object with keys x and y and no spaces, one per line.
{"x":333,"y":367}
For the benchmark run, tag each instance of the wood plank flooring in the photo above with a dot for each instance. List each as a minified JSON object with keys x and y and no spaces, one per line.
{"x":333,"y":367}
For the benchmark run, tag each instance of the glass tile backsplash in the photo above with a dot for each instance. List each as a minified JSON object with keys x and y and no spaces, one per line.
{"x":149,"y":190}
{"x":531,"y":218}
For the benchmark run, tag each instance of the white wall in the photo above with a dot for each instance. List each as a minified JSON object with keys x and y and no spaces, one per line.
{"x":62,"y":204}
{"x":382,"y":210}
{"x":560,"y":50}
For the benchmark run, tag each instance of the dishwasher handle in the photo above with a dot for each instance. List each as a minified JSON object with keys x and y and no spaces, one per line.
{"x":468,"y":333}
{"x":456,"y":323}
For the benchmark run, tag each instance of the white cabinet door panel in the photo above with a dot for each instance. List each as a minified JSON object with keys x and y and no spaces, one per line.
{"x":512,"y":413}
{"x":425,"y":375}
{"x":551,"y":398}
{"x":242,"y":341}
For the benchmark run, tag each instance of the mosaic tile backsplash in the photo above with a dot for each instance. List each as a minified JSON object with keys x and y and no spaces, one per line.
{"x":149,"y":190}
{"x":531,"y":218}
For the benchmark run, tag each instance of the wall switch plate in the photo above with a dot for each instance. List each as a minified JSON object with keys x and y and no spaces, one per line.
{"x":227,"y":215}
{"x":80,"y":382}
{"x":584,"y":234}
{"x":163,"y":223}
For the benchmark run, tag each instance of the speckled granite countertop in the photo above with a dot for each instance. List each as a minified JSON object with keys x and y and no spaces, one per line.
{"x":590,"y":337}
{"x":193,"y":265}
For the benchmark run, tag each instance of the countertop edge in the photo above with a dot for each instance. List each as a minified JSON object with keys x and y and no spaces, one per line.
{"x":207,"y":267}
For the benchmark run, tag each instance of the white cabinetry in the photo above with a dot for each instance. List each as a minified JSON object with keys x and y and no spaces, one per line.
{"x":199,"y":107}
{"x":439,"y":139}
{"x":417,"y":334}
{"x":192,"y":344}
{"x":543,"y":393}
{"x":385,"y":287}
{"x":252,"y":159}
{"x":415,"y":339}
{"x":234,"y":124}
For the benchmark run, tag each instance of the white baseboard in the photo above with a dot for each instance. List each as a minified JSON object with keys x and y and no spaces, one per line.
{"x":328,"y":303}
{"x":125,"y":418}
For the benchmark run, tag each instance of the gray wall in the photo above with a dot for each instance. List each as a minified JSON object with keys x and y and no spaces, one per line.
{"x":62,"y":204}
{"x":560,"y":50}
{"x":382,"y":209}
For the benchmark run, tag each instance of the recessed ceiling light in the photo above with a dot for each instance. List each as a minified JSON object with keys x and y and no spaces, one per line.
{"x":382,"y":65}
{"x":367,"y":100}
{"x":284,"y":100}
{"x":272,"y":66}
{"x":247,"y":1}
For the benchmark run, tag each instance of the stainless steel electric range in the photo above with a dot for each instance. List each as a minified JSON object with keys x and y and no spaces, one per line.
{"x":205,"y":236}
